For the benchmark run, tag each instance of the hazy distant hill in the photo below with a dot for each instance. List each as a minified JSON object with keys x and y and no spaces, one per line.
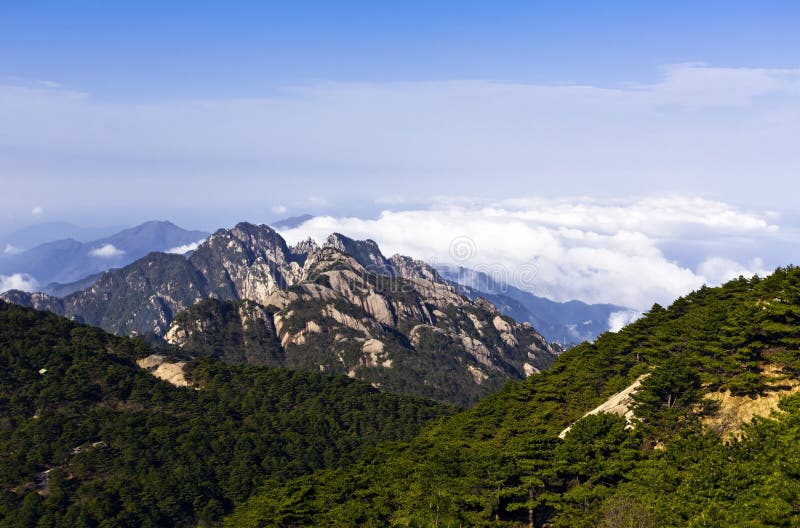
{"x":292,"y":221}
{"x":34,"y":235}
{"x":69,"y":260}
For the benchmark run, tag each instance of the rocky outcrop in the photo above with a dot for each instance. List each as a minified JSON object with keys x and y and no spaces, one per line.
{"x":620,"y":404}
{"x":169,"y":371}
{"x":408,"y":268}
{"x":732,"y":412}
{"x":366,"y":252}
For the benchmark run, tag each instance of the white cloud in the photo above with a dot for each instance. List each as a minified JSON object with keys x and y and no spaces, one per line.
{"x":618,"y":320}
{"x":180,"y":250}
{"x":106,"y":251}
{"x":12,"y":250}
{"x":279,"y":209}
{"x":718,"y":270}
{"x":580,"y":249}
{"x":37,"y":211}
{"x":18,"y":281}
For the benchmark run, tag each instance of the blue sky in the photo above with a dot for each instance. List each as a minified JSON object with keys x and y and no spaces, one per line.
{"x":211,"y":49}
{"x":208,"y":113}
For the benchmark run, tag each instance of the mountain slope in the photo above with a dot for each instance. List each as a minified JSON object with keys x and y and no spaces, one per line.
{"x":502,"y":462}
{"x":87,"y":438}
{"x":393,"y":322}
{"x":66,"y":261}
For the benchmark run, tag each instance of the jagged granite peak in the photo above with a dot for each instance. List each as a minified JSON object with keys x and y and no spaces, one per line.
{"x":247,"y":262}
{"x":366,"y":252}
{"x":410,"y":268}
{"x":305,"y":247}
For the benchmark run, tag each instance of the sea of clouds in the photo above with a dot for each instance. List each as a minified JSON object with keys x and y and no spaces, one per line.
{"x":595,"y":251}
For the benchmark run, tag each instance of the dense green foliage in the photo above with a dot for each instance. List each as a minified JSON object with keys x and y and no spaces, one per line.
{"x":224,"y":335}
{"x":502,"y":463}
{"x":87,"y":438}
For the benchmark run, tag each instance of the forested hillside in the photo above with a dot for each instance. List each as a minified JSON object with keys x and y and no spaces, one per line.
{"x":87,"y":438}
{"x":502,"y":463}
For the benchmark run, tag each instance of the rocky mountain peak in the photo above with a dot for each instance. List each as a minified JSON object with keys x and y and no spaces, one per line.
{"x":329,"y":258}
{"x":366,"y":252}
{"x":409,"y":268}
{"x":305,"y":247}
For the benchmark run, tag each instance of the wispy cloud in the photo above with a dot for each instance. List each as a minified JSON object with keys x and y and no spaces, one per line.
{"x":12,"y":250}
{"x":106,"y":251}
{"x":696,"y":128}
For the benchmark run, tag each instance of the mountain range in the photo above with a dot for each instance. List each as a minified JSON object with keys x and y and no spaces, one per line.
{"x":344,"y":308}
{"x":68,"y":260}
{"x":64,"y":266}
{"x":34,"y":235}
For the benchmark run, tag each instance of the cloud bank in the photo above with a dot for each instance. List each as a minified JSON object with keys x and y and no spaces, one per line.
{"x":567,"y":249}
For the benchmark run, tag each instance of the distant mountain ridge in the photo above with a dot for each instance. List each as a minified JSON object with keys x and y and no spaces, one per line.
{"x":340,"y":308}
{"x":292,"y":221}
{"x":37,"y":234}
{"x":66,"y":261}
{"x":567,"y":323}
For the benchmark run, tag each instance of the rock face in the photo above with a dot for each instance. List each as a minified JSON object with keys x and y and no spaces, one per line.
{"x":620,"y":404}
{"x":160,"y":367}
{"x":344,"y":308}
